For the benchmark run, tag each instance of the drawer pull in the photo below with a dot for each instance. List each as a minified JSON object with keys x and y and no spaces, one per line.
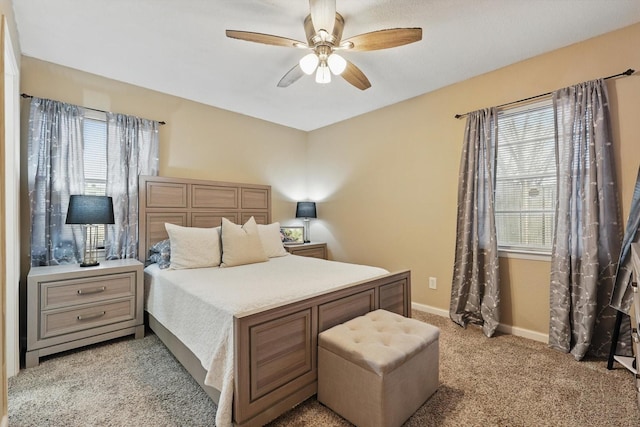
{"x":91,"y":291}
{"x":92,"y":316}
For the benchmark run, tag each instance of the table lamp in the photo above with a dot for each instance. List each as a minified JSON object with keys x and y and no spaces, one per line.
{"x":306,"y":210}
{"x":90,"y":211}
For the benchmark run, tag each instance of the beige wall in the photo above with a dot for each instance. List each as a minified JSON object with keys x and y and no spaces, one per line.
{"x":387,"y":180}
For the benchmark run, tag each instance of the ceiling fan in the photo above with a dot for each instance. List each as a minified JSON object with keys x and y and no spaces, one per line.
{"x":323,"y":28}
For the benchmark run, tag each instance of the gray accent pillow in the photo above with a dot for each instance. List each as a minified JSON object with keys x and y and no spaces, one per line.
{"x":161,"y":254}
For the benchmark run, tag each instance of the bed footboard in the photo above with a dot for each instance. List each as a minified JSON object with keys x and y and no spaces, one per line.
{"x":276,"y":349}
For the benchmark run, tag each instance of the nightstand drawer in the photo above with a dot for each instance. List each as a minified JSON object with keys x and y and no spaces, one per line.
{"x":58,"y":322}
{"x":65,"y":293}
{"x":311,"y":252}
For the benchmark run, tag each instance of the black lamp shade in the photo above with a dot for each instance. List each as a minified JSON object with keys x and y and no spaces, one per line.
{"x":306,"y":210}
{"x":90,"y":210}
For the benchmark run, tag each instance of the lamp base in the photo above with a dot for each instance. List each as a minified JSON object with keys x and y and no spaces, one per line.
{"x":306,"y":237}
{"x":89,"y":264}
{"x":90,"y":257}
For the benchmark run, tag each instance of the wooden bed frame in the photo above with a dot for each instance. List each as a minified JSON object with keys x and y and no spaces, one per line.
{"x":275,"y":349}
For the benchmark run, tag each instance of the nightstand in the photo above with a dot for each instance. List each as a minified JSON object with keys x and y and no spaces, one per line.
{"x":314,"y":250}
{"x":69,"y":306}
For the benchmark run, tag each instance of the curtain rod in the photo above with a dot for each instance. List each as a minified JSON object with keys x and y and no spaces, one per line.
{"x":26,"y":95}
{"x":626,"y":73}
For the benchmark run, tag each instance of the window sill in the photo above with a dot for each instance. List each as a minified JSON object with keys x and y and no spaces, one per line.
{"x":532,"y":256}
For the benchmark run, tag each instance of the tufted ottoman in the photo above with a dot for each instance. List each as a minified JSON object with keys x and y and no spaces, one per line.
{"x":377,"y":369}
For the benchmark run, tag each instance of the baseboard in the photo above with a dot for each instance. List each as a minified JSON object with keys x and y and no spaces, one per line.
{"x":525,"y":333}
{"x":507,"y":329}
{"x":4,"y":422}
{"x":429,"y":309}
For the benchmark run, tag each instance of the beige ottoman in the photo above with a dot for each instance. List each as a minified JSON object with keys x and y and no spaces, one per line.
{"x":377,"y":369}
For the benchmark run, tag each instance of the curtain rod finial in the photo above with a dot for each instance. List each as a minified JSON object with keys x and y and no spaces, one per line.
{"x":629,"y":72}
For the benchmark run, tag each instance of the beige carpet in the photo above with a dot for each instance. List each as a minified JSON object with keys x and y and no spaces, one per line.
{"x":502,"y":381}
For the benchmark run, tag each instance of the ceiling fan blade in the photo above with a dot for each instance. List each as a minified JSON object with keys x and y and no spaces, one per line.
{"x":264,"y":38}
{"x":353,"y":75}
{"x":384,"y":39}
{"x":291,"y":77}
{"x":323,"y":14}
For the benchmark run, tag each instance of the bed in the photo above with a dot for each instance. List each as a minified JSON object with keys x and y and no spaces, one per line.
{"x":272,"y":365}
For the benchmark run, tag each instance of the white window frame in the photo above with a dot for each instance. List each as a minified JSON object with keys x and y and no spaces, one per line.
{"x":517,"y":251}
{"x":95,"y":115}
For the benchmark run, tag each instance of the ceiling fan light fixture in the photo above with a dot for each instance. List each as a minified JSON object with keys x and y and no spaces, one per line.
{"x":309,"y":63}
{"x":337,"y":63}
{"x":323,"y":75}
{"x":323,"y":29}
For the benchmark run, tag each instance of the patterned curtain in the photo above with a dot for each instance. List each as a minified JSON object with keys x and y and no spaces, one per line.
{"x":587,"y":242}
{"x":133,"y":151}
{"x":475,"y":292}
{"x":55,"y":170}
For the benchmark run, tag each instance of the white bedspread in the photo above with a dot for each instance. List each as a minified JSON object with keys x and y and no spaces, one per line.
{"x":198,"y":305}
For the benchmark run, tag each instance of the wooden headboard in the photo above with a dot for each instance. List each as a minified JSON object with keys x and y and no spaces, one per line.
{"x":195,"y":203}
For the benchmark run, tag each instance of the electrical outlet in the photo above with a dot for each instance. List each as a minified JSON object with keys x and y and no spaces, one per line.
{"x":433,"y":283}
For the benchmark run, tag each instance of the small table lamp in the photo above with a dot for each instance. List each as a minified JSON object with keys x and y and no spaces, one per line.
{"x":306,"y":210}
{"x":90,"y":211}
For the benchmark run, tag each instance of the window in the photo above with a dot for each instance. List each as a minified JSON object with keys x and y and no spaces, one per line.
{"x":94,"y":135}
{"x":525,"y":191}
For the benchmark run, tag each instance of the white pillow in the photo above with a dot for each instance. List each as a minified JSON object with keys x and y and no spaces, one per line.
{"x":193,"y":247}
{"x":271,"y":240}
{"x":241,"y":244}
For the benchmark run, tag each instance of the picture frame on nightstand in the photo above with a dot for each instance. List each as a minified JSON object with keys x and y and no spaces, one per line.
{"x":292,"y":235}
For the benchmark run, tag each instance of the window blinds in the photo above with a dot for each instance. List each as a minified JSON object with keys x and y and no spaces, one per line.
{"x":525,"y":190}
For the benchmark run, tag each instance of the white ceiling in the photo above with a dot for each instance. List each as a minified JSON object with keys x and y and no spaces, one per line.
{"x":179,"y":47}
